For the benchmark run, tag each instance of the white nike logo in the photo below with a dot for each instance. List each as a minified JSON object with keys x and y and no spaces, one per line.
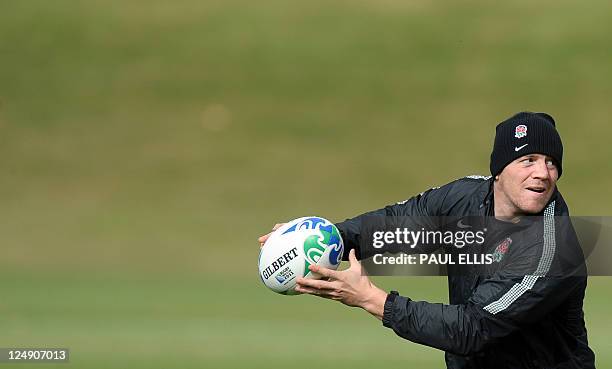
{"x":460,"y":224}
{"x":520,"y":147}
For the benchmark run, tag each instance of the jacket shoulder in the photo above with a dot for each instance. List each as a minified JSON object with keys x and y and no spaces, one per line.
{"x":469,"y":184}
{"x":463,"y":196}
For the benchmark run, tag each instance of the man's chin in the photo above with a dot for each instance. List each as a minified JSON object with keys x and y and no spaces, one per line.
{"x":533,"y":209}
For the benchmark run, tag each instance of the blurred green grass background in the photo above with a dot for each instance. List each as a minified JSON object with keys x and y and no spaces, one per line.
{"x":145,"y":145}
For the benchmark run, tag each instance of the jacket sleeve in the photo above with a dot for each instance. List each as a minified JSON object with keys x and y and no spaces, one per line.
{"x":501,"y":304}
{"x":468,"y":328}
{"x":426,"y":204}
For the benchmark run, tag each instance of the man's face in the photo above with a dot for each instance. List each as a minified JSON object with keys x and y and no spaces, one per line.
{"x":526,"y":184}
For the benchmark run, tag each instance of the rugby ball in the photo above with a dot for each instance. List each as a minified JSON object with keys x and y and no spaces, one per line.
{"x":292,"y":248}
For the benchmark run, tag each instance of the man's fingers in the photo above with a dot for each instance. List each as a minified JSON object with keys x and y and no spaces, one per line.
{"x":316,"y":283}
{"x":307,"y":290}
{"x":263,"y":238}
{"x":328,"y":294}
{"x":325,"y":272}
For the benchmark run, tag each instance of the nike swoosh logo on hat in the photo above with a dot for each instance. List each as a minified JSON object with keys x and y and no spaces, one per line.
{"x":460,"y":224}
{"x":520,"y":147}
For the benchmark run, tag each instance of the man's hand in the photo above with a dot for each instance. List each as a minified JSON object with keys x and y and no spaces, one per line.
{"x":263,"y":238}
{"x":349,"y":286}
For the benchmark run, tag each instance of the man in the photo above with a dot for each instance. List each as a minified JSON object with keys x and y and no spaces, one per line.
{"x":519,"y":315}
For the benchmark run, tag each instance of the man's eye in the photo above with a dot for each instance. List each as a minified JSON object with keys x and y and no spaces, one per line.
{"x":550,"y":163}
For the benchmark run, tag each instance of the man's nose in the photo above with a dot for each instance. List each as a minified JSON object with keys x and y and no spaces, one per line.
{"x":540,"y":170}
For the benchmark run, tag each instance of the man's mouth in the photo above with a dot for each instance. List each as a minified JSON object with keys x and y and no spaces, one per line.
{"x":537,"y":189}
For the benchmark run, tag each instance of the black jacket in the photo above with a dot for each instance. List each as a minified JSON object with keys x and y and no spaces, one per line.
{"x":519,"y":316}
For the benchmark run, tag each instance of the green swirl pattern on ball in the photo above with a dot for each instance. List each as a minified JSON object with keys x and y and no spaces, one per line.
{"x":315,"y":245}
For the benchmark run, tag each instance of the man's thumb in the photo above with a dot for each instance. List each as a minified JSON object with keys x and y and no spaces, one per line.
{"x":353,"y":259}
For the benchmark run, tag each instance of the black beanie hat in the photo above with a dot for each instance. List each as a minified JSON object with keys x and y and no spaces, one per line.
{"x":525,"y":133}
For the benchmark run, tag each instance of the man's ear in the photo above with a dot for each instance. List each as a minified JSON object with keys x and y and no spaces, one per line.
{"x":497,"y":178}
